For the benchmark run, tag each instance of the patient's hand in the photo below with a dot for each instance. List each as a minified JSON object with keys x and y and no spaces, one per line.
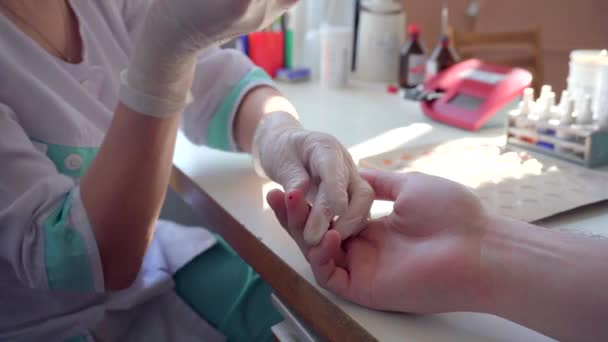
{"x":423,"y":257}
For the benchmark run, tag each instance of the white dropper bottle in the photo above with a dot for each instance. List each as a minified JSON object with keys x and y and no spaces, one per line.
{"x":547,"y":103}
{"x":526,"y":106}
{"x":544,"y":91}
{"x":563,"y":101}
{"x":567,"y":112}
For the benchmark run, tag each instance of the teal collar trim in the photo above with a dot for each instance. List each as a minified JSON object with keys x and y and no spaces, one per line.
{"x":69,"y":160}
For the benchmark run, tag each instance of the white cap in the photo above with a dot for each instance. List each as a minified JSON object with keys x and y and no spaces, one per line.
{"x":583,"y":110}
{"x":529,"y":94}
{"x":545,"y":90}
{"x":525,"y":107}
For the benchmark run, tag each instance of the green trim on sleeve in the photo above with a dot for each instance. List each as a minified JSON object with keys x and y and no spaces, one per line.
{"x":65,"y":253}
{"x":218,"y":130}
{"x":240,"y":308}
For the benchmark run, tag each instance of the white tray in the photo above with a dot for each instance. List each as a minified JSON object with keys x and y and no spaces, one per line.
{"x":511,"y":181}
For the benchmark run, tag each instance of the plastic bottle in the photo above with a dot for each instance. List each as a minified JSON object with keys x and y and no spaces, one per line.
{"x":318,"y":13}
{"x":380,"y":36}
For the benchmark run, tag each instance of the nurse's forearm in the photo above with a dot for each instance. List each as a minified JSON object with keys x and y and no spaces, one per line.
{"x":124,"y":188}
{"x":553,"y":282}
{"x":258,"y":102}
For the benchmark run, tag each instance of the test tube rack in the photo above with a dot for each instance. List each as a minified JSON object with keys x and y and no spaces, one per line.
{"x":586,"y":145}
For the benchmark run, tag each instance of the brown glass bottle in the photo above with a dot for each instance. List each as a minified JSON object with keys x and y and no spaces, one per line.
{"x":443,"y":57}
{"x":412,"y":60}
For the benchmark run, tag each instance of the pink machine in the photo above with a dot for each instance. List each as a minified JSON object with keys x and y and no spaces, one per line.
{"x":473,"y":94}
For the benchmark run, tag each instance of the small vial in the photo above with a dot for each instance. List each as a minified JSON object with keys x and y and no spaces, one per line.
{"x":555,"y":112}
{"x":563,"y":101}
{"x":527,"y":103}
{"x":567,"y":112}
{"x":583,"y":110}
{"x":546,"y":106}
{"x":566,"y":120}
{"x":544,"y":91}
{"x":528,"y":94}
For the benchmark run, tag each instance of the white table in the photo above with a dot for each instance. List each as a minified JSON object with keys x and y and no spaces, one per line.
{"x":359,"y":117}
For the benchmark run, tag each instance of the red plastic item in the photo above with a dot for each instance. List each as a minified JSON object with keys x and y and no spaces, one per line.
{"x":266,"y":51}
{"x":392,"y":89}
{"x":413,"y":29}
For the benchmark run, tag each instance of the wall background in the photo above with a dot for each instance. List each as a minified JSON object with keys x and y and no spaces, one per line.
{"x":566,"y":24}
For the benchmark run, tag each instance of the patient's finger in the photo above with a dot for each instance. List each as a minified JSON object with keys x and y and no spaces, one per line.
{"x":276,"y":200}
{"x":361,"y":196}
{"x":323,"y":258}
{"x":386,"y":185}
{"x":297,"y":214}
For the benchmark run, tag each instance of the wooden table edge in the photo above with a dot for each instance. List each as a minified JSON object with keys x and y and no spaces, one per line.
{"x":322,"y":315}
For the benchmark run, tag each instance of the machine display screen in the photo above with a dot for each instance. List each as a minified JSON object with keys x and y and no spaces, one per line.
{"x":466,"y":101}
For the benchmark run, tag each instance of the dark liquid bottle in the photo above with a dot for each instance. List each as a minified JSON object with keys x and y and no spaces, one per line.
{"x":412,"y":60}
{"x":442,"y":57}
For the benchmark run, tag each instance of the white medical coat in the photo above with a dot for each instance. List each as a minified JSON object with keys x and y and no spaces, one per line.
{"x":53,"y":118}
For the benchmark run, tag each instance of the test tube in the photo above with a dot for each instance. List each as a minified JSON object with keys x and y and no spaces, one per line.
{"x":563,"y":100}
{"x":583,"y":110}
{"x":546,"y":106}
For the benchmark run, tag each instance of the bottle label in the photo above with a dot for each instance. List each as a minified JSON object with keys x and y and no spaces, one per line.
{"x":416,"y":70}
{"x":431,"y":69}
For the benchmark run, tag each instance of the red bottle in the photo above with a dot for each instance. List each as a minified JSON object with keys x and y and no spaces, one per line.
{"x":412,"y":60}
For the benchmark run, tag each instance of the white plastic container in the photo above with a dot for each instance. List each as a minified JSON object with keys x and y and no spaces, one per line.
{"x":339,"y":13}
{"x":336,"y":55}
{"x":380,"y":37}
{"x":601,"y":97}
{"x":584,"y":73}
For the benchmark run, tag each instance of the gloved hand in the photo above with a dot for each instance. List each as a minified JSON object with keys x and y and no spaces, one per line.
{"x":159,"y":77}
{"x":319,"y":166}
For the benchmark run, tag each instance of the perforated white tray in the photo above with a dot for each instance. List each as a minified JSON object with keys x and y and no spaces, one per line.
{"x":513,"y":182}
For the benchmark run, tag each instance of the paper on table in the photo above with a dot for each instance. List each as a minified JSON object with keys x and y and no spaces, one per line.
{"x":511,"y":181}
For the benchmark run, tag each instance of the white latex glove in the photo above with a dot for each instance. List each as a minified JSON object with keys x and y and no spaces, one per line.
{"x":318,"y":165}
{"x":159,"y":77}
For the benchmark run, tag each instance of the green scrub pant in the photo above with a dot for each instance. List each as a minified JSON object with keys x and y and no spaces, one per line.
{"x":227,"y":293}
